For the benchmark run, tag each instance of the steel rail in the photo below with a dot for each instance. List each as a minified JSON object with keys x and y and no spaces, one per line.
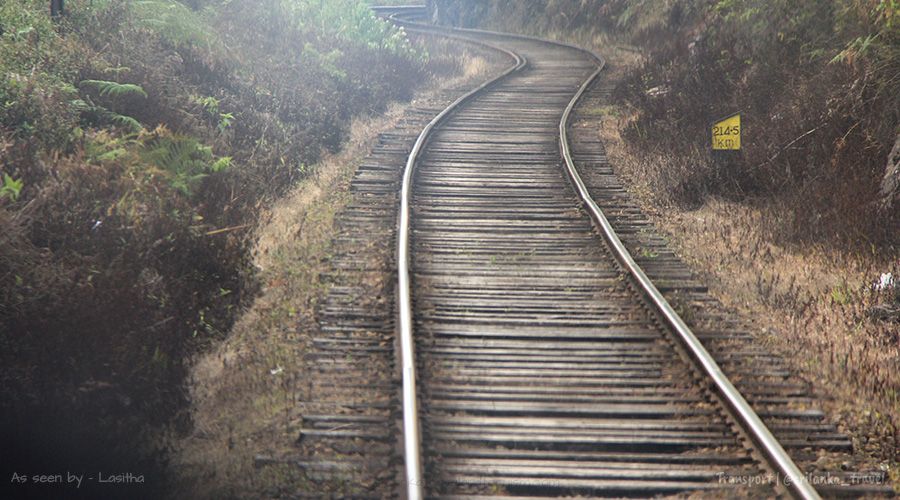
{"x":742,"y":412}
{"x":744,"y":415}
{"x":411,"y":435}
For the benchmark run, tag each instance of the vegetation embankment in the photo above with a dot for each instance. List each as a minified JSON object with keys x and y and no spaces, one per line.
{"x":138,"y":142}
{"x":802,"y":227}
{"x":250,"y":393}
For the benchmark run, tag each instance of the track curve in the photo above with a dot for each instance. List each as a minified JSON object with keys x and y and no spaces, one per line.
{"x":548,"y":363}
{"x":541,"y":370}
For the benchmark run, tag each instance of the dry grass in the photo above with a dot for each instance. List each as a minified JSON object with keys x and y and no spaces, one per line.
{"x":808,"y":303}
{"x":246,"y":392}
{"x":458,"y":61}
{"x":475,"y":66}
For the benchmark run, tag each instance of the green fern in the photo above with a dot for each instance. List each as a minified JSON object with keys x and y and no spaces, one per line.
{"x":114,"y":89}
{"x":225,"y":121}
{"x":221,"y":165}
{"x":185,"y":160}
{"x":123,"y":121}
{"x":210,"y":106}
{"x":177,"y":24}
{"x":11,"y":188}
{"x":106,"y":146}
{"x":176,"y":154}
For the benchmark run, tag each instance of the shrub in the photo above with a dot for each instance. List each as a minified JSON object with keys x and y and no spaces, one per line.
{"x":813,"y":82}
{"x":183,"y":161}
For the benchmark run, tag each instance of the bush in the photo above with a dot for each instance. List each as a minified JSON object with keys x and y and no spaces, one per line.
{"x":38,"y":67}
{"x":815,"y":102}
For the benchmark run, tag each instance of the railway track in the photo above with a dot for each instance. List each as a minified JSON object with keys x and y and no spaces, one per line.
{"x":549,"y":362}
{"x":533,"y":356}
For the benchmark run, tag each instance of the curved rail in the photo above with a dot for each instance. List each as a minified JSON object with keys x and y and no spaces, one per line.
{"x":739,"y":408}
{"x":411,"y":436}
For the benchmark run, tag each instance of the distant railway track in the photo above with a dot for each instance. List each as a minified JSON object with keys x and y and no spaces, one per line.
{"x":538,"y":358}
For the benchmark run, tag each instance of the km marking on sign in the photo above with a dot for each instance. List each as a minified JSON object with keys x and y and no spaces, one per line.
{"x":726,"y":134}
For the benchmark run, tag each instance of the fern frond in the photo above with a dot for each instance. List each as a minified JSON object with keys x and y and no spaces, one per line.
{"x":125,"y":121}
{"x":81,"y":106}
{"x":115,"y":89}
{"x":176,"y":23}
{"x":222,"y":164}
{"x":184,"y":161}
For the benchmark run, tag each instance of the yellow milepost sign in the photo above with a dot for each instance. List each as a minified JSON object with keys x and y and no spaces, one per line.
{"x":726,"y":134}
